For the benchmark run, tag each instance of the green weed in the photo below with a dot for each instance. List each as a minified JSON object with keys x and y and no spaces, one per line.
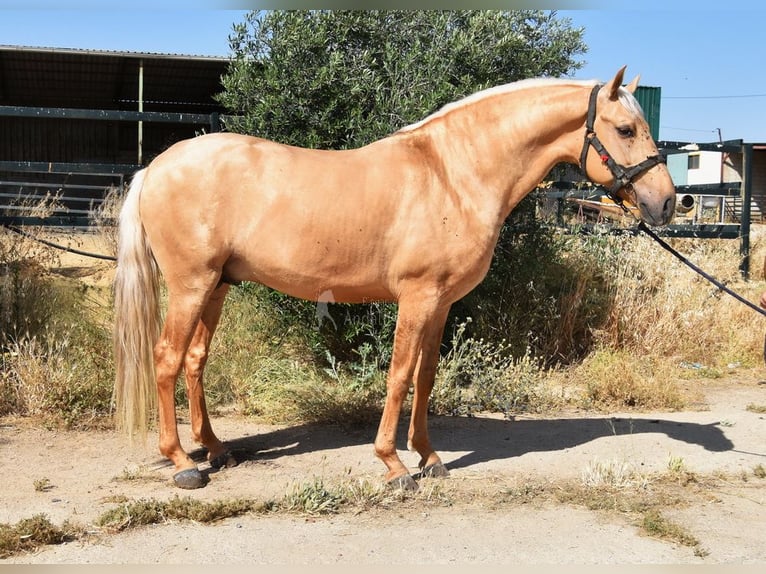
{"x":30,"y":533}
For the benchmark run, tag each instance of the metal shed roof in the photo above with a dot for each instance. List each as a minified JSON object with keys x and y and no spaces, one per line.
{"x":69,"y":78}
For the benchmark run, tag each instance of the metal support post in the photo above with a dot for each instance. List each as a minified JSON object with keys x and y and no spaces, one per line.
{"x":747,"y":193}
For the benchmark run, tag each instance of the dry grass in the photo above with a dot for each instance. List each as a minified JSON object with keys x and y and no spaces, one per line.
{"x":664,"y":317}
{"x":610,"y":379}
{"x":657,"y":316}
{"x":661,"y":308}
{"x":106,"y":216}
{"x":149,"y":511}
{"x":55,"y":363}
{"x":60,"y":380}
{"x":309,"y":498}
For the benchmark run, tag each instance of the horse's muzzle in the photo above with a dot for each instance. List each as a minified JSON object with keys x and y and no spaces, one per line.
{"x":658,"y":214}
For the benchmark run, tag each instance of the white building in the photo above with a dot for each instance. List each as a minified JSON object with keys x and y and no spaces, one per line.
{"x":696,"y":167}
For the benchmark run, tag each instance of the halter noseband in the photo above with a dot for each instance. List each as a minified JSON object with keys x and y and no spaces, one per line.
{"x":623,"y":176}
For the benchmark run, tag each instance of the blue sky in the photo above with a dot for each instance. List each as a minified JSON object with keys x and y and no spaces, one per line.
{"x":707,"y":61}
{"x":709,"y":65}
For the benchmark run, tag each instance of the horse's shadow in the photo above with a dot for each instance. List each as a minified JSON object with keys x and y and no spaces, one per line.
{"x":501,"y":439}
{"x":481,"y":439}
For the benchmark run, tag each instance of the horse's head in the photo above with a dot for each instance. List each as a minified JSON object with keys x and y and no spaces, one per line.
{"x":620,"y":154}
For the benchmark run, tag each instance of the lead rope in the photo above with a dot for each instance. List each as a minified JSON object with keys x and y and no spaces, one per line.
{"x":623,"y":176}
{"x":642,"y":227}
{"x":684,"y":260}
{"x":23,"y":233}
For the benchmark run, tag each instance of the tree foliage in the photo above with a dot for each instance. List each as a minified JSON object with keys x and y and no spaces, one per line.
{"x":340,"y":79}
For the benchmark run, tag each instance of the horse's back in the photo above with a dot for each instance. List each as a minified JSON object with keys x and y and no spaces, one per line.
{"x":302,"y":221}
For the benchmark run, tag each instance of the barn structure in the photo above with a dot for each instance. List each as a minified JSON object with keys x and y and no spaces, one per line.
{"x":75,"y":122}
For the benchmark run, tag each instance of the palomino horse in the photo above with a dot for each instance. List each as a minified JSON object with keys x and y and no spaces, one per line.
{"x":411,"y":218}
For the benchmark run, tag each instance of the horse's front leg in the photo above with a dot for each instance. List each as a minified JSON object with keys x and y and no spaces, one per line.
{"x":425,"y":373}
{"x":412,"y":323}
{"x":194,"y":364}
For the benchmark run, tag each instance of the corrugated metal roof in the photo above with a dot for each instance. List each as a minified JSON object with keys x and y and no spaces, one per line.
{"x":97,"y":79}
{"x":130,"y":54}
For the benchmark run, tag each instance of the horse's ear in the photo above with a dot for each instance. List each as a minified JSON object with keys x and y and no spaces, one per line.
{"x":631,"y":87}
{"x":613,"y":87}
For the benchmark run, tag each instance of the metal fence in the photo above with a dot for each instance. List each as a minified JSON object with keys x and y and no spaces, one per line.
{"x":65,"y":194}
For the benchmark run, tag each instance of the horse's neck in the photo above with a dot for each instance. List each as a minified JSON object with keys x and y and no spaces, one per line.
{"x":511,"y":141}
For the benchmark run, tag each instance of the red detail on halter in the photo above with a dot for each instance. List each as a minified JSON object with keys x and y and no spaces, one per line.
{"x":604,"y":158}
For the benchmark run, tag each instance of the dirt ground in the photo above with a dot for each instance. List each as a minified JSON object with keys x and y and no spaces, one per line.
{"x":719,"y":437}
{"x":86,"y":470}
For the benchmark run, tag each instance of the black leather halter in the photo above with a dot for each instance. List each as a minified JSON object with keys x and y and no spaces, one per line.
{"x":623,"y":176}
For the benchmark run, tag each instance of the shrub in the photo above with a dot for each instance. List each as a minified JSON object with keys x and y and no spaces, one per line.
{"x":55,"y":360}
{"x":63,"y":378}
{"x":544,"y":293}
{"x":476,"y":375}
{"x":27,"y":300}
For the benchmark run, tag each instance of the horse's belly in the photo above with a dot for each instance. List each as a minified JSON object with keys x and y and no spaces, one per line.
{"x":312,"y":280}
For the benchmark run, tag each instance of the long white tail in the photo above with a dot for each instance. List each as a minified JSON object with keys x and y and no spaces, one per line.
{"x":136,"y":319}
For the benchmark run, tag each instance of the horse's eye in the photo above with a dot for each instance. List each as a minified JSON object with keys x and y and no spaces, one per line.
{"x":625,"y":132}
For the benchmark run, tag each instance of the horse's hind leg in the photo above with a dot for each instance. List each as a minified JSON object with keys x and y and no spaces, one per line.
{"x":194,"y":364}
{"x":185,"y":308}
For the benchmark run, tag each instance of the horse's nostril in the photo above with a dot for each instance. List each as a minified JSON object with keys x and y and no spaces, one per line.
{"x":669,"y":203}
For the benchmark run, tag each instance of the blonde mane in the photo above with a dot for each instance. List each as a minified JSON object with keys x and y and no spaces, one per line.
{"x":626,"y":98}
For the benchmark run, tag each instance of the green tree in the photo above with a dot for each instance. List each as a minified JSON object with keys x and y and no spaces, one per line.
{"x":341,"y":79}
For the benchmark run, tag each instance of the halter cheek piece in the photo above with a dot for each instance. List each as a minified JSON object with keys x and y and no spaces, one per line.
{"x":623,"y":176}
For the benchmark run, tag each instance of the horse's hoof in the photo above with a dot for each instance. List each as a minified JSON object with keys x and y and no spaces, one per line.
{"x":223,"y":460}
{"x":404,"y":482}
{"x":189,"y":479}
{"x":437,"y":470}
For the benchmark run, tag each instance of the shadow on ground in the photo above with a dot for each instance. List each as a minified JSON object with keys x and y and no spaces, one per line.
{"x":483,"y":440}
